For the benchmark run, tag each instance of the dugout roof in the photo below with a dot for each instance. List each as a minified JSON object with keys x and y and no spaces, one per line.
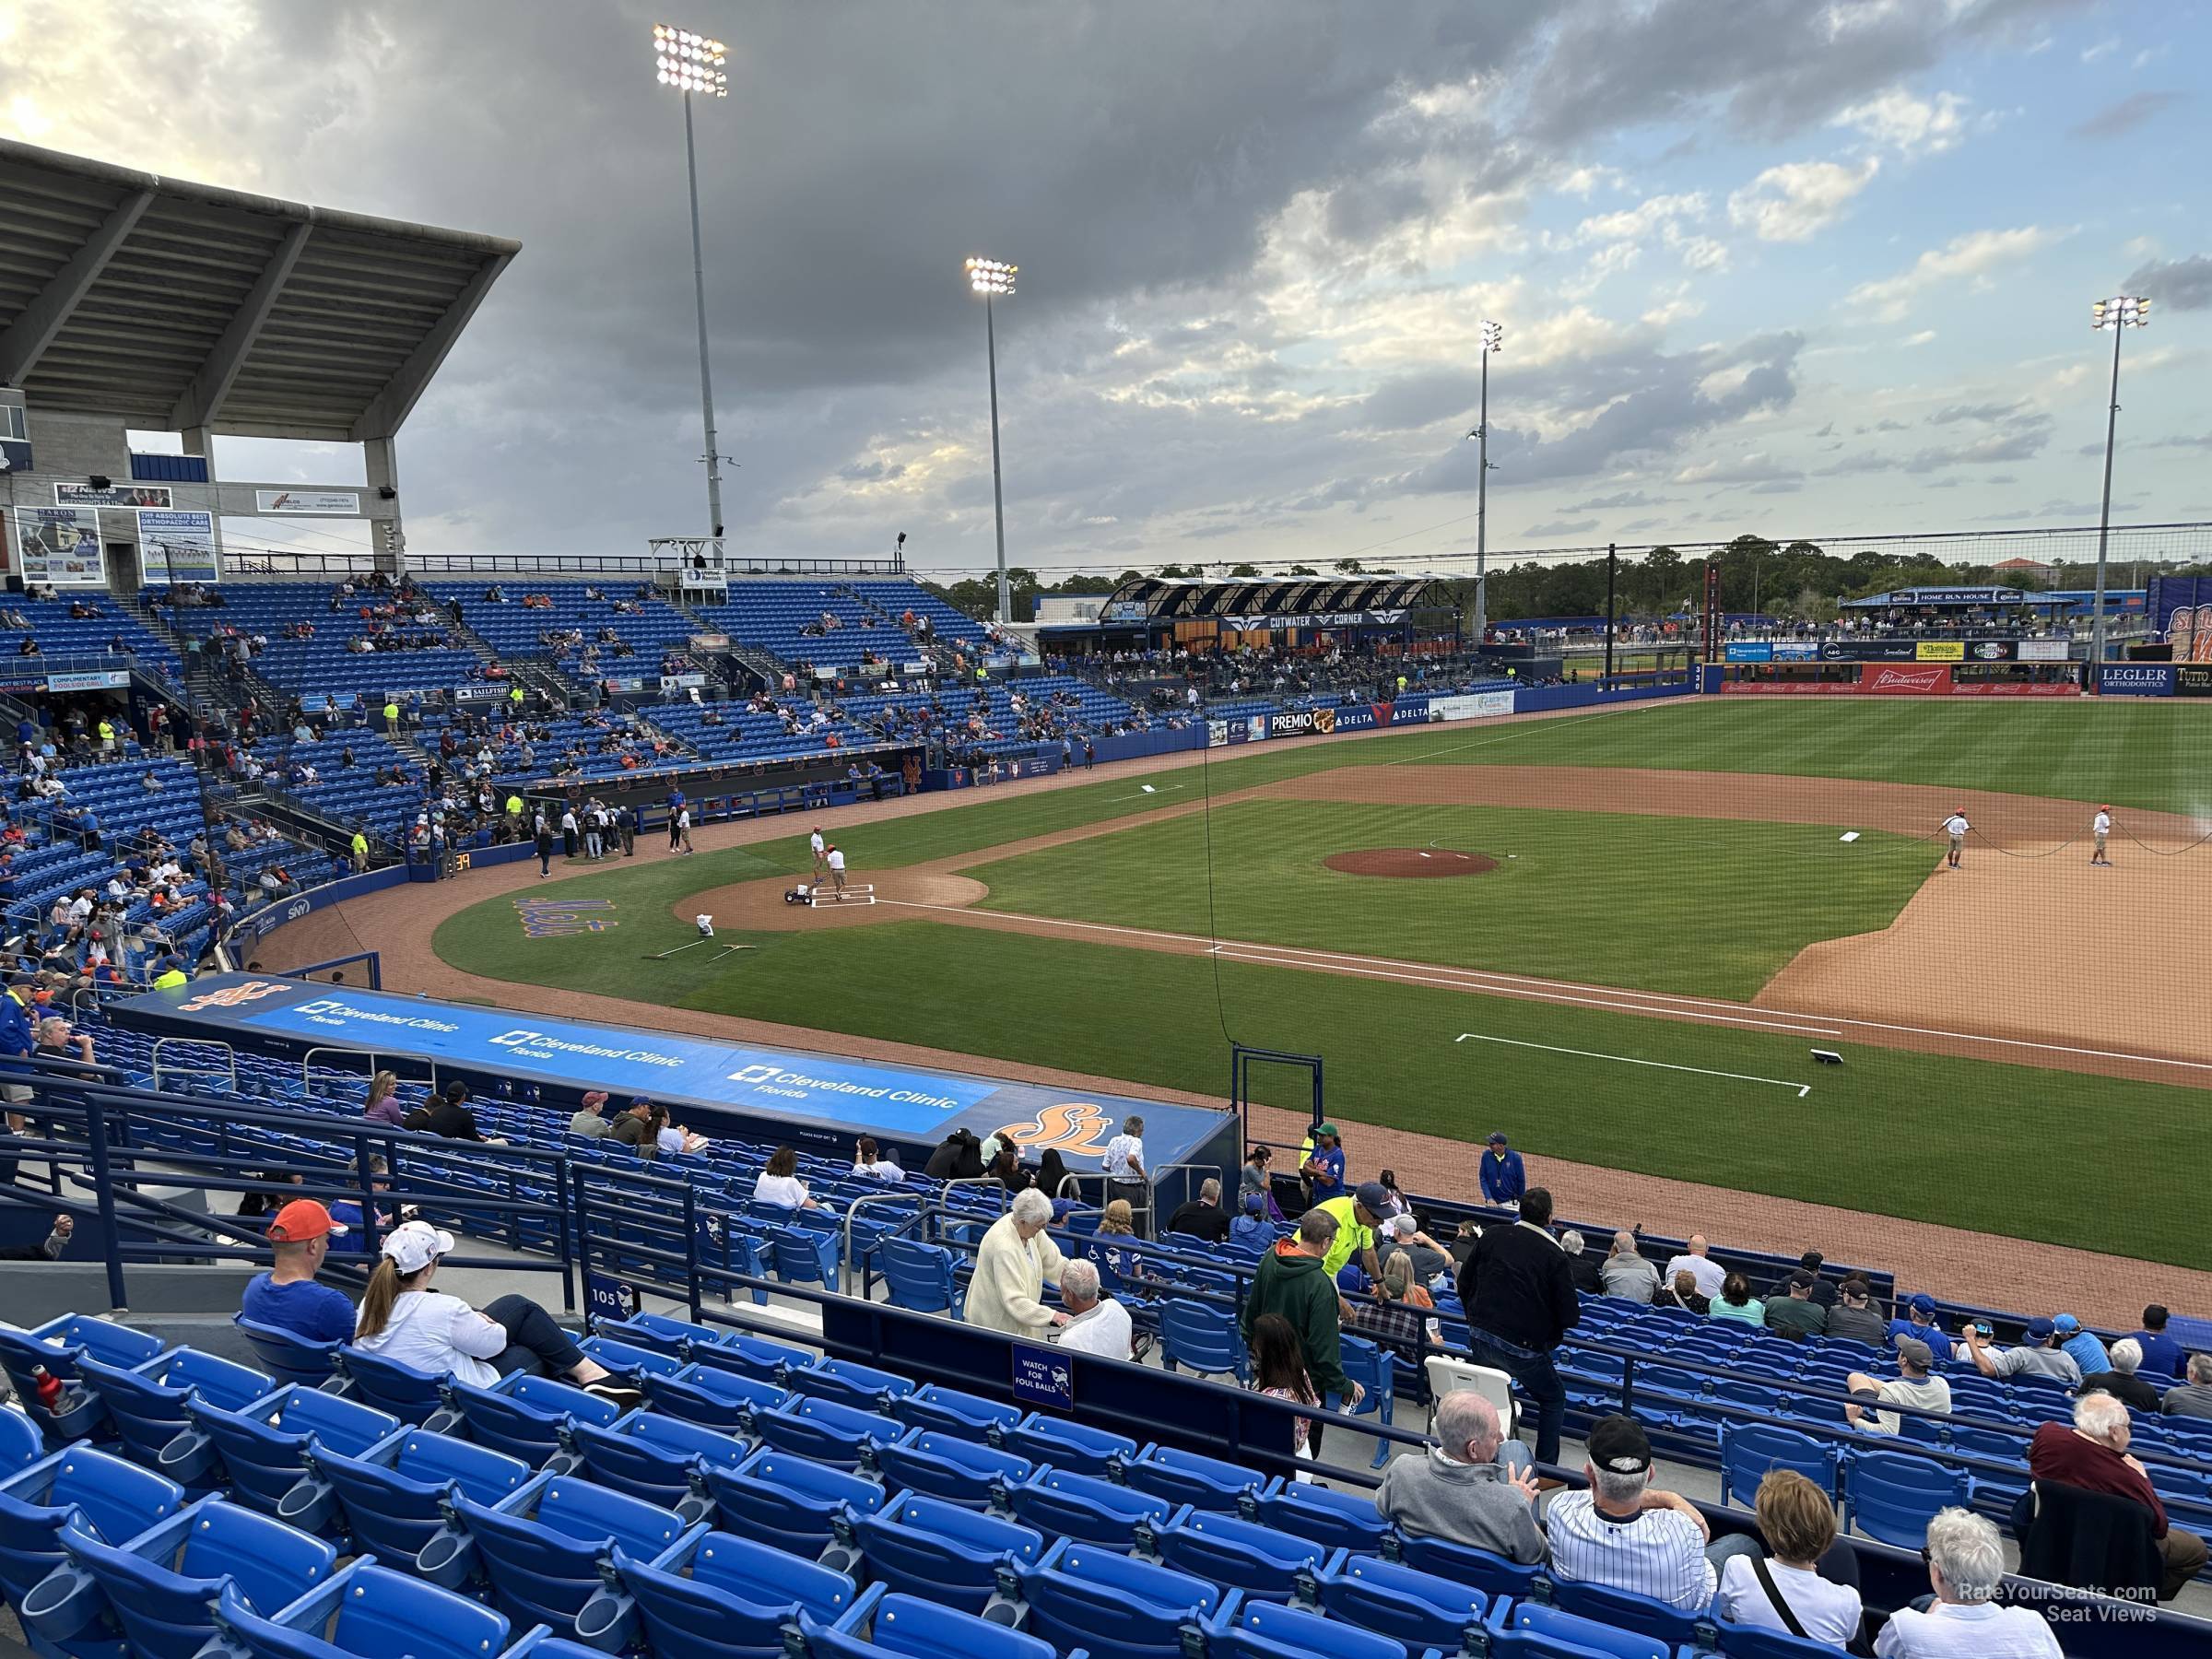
{"x":172,"y":305}
{"x":1147,"y":599}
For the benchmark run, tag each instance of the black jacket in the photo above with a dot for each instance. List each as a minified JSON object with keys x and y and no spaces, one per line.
{"x":1517,"y":1286}
{"x":444,"y":1117}
{"x":958,"y":1158}
{"x":1207,"y":1221}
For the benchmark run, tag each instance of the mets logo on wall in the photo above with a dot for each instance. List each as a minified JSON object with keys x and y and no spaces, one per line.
{"x":1071,"y":1126}
{"x":1325,"y":721}
{"x":232,"y":996}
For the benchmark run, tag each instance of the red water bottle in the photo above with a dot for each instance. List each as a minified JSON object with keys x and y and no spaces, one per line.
{"x":49,"y":1387}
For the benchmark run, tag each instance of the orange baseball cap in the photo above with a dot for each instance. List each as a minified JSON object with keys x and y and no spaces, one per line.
{"x":302,"y":1220}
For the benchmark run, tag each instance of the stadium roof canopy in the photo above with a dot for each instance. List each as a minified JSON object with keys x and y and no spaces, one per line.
{"x":173,"y":305}
{"x":1187,"y":598}
{"x":1937,"y":597}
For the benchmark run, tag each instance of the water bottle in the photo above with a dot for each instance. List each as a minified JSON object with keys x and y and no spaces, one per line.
{"x":49,"y":1389}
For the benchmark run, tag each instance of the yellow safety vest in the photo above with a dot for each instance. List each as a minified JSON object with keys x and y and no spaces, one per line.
{"x":175,"y":976}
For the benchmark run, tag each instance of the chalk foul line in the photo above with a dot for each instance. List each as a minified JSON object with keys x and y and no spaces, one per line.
{"x":1803,"y":1088}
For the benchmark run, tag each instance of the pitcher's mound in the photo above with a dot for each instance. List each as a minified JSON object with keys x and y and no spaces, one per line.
{"x":1415,"y":863}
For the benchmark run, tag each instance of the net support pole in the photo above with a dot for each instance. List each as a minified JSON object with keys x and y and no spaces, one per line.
{"x":1612,"y":579}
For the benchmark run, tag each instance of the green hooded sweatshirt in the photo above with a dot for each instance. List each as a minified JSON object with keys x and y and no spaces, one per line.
{"x":1295,"y":1285}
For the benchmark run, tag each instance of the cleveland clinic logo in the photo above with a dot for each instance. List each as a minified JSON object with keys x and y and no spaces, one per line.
{"x":757,"y":1074}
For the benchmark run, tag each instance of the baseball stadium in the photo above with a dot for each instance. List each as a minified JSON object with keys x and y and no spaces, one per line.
{"x":692,"y":1098}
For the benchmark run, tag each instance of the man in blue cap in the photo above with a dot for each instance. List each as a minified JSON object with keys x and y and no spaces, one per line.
{"x":2081,"y":1346}
{"x":1356,"y":1217}
{"x":2034,"y":1357}
{"x":1917,"y":1322}
{"x":1503,"y":1178}
{"x":1252,"y":1228}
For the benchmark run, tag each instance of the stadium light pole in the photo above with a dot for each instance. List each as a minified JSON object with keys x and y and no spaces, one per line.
{"x":993,"y":279}
{"x":692,"y":62}
{"x":1493,"y":339}
{"x":2120,"y":314}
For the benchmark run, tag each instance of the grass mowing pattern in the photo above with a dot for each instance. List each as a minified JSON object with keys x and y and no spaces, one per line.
{"x":1718,"y":906}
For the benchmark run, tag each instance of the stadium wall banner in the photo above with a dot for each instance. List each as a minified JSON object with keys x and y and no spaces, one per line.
{"x":59,"y":546}
{"x":1749,"y":651}
{"x":2045,"y":651}
{"x":1871,"y":650}
{"x":2193,"y":679}
{"x":113,"y":495}
{"x":1939,"y":651}
{"x":1932,"y":679}
{"x":2015,"y":688}
{"x":178,"y":546}
{"x":1479,"y":705}
{"x":1796,"y":651}
{"x":2136,"y":679}
{"x":1294,"y":722}
{"x":324,"y":503}
{"x":100,"y":679}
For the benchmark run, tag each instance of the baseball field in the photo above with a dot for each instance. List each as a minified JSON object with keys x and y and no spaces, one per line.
{"x":1618,"y":936}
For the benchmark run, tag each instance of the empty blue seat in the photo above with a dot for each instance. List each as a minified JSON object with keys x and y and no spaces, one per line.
{"x":1341,"y":1520}
{"x":1374,"y":1368}
{"x":119,"y":1498}
{"x":650,"y":1455}
{"x":1625,"y":1610}
{"x":826,"y":1431}
{"x":145,"y":1404}
{"x":1747,"y":1641}
{"x":860,"y":1386}
{"x":1186,"y":1477}
{"x":411,"y":1395}
{"x":1494,"y":1575}
{"x":959,"y":1471}
{"x":1238,"y":1555}
{"x":544,"y":1547}
{"x":1259,"y":1630}
{"x":750,"y":1356}
{"x":725,"y":1400}
{"x":1085,"y":1595}
{"x":159,"y":1589}
{"x":392,"y":1498}
{"x":904,"y":1627}
{"x":1420,"y":1609}
{"x":1528,"y":1630}
{"x":524,"y":1414}
{"x":920,"y":1277}
{"x":19,"y":1443}
{"x":1748,"y":1450}
{"x":931,"y":1407}
{"x":629,"y":1360}
{"x":716,"y":1595}
{"x":263,"y":1448}
{"x":1202,"y":1337}
{"x":1043,"y":1439}
{"x":1085,"y":1508}
{"x":791,"y":1502}
{"x":288,"y":1355}
{"x":366,"y":1610}
{"x":943,"y":1551}
{"x":54,"y":1347}
{"x":1892,"y":1496}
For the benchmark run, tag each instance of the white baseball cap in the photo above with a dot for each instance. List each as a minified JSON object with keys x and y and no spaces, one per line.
{"x":414,"y":1245}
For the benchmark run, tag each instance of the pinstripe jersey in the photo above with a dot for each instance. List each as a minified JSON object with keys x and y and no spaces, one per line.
{"x":1658,"y":1552}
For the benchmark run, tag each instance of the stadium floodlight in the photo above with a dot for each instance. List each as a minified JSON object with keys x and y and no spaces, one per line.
{"x":1493,"y":339}
{"x":993,"y":279}
{"x":687,"y":62}
{"x":2120,"y":314}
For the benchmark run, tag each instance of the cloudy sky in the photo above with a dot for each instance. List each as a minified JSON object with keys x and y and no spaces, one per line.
{"x":1762,"y":265}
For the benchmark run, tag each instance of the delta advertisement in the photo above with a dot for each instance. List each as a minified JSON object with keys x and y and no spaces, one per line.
{"x":59,"y":546}
{"x":178,"y":546}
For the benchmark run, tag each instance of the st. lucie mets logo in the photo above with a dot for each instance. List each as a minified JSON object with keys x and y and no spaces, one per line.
{"x":232,"y":996}
{"x":1071,"y":1126}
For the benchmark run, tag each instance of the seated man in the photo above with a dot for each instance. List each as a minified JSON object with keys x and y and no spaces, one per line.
{"x":1096,"y":1324}
{"x":287,"y":1295}
{"x":1912,"y":1386}
{"x":1474,"y":1487}
{"x":1795,"y":1310}
{"x":1625,"y":1532}
{"x":2036,"y":1356}
{"x":2092,"y":1455}
{"x":2121,"y":1381}
{"x":1917,"y":1321}
{"x":1202,"y":1217}
{"x":2193,"y":1398}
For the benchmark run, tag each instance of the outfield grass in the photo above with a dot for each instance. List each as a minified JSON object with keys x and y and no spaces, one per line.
{"x":1718,"y":908}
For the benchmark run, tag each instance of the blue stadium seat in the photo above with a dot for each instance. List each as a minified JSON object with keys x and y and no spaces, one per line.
{"x":1461,"y":1563}
{"x":959,"y":1471}
{"x":650,"y":1455}
{"x":522,"y":1415}
{"x":1374,"y":1368}
{"x":543,"y":1548}
{"x":716,"y":1595}
{"x":411,"y":1395}
{"x":713,"y":1399}
{"x":1420,"y":1609}
{"x":391,"y":1498}
{"x":285,"y":1355}
{"x":368,"y":1611}
{"x":1119,"y":1607}
{"x":1076,"y":1447}
{"x":146,"y":1404}
{"x":920,"y":1277}
{"x":1625,"y":1610}
{"x":159,"y":1588}
{"x":1892,"y":1496}
{"x":862,"y":1387}
{"x":263,"y":1448}
{"x":19,"y":1443}
{"x":1202,"y":1337}
{"x":1260,"y":1629}
{"x":629,"y":1360}
{"x":1341,"y":1520}
{"x":788,"y":1502}
{"x":1086,"y":1509}
{"x":1238,"y":1555}
{"x":1185,"y":1478}
{"x":904,"y":1627}
{"x":55,"y":1346}
{"x":826,"y":1431}
{"x":1745,"y":1641}
{"x":933,"y":1407}
{"x":942,"y":1551}
{"x":1528,"y":1630}
{"x":750,"y":1356}
{"x":1749,"y":1450}
{"x":119,"y":1498}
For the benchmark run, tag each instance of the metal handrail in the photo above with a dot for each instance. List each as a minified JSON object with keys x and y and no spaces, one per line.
{"x":844,"y":1259}
{"x":230,"y":1053}
{"x":371,"y":1055}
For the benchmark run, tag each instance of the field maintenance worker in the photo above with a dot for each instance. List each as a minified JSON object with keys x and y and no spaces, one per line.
{"x":1504,"y":1178}
{"x":1955,"y":827}
{"x":1356,"y":1217}
{"x":2101,"y":827}
{"x":815,"y":842}
{"x":835,"y":861}
{"x":391,"y":717}
{"x":361,"y":852}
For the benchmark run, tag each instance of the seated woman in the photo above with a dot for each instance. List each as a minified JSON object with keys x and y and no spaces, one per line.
{"x":1113,"y":1246}
{"x":1737,"y":1302}
{"x":1809,"y":1586}
{"x":402,"y":1319}
{"x":780,"y":1182}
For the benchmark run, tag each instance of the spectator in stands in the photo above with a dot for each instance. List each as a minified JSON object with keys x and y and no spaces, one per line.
{"x":1794,"y":1311}
{"x":1474,"y":1487}
{"x":1624,"y":1273}
{"x":1520,"y":1303}
{"x":1202,"y":1217}
{"x":2161,"y":1353}
{"x":2121,"y":1381}
{"x":448,"y":1115}
{"x":1254,"y":1177}
{"x":1824,"y":1291}
{"x":589,"y":1120}
{"x":2034,"y":1356}
{"x":1912,"y":1386}
{"x":1737,"y":1301}
{"x":1394,"y":1316}
{"x":1004,"y":1165}
{"x":1123,"y":1161}
{"x":1292,"y":1282}
{"x":1278,"y":1370}
{"x":778,"y":1182}
{"x":2088,"y":1352}
{"x":2093,"y":1454}
{"x":1709,"y":1273}
{"x":2193,"y":1398}
{"x":869,"y":1163}
{"x":635,"y":1129}
{"x":1323,"y":1167}
{"x":1251,"y":1226}
{"x":382,"y":1103}
{"x":1016,"y":1260}
{"x":346,"y":1212}
{"x":1357,"y":1219}
{"x":958,"y":1156}
{"x":1966,"y":1568}
{"x":1787,"y":1591}
{"x":1582,"y":1267}
{"x":287,"y":1295}
{"x":1916,"y":1320}
{"x":1402,"y":1234}
{"x":1854,"y":1317}
{"x":1503,"y":1177}
{"x":1627,"y":1534}
{"x":49,"y":1249}
{"x":403,"y":1320}
{"x":1681,"y":1291}
{"x":1095,"y":1323}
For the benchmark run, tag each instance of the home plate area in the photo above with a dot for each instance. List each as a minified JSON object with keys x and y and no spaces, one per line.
{"x":815,"y":896}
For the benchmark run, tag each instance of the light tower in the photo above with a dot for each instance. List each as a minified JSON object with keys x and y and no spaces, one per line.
{"x":692,"y":62}
{"x":2120,"y":314}
{"x":993,"y":279}
{"x":1493,"y":339}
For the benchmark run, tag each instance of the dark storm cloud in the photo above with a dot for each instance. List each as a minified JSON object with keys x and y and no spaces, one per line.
{"x":2175,"y":284}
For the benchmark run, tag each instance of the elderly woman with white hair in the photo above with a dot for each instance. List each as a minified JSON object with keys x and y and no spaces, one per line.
{"x":1966,"y":1565}
{"x":2092,"y":1455}
{"x":1014,"y":1264}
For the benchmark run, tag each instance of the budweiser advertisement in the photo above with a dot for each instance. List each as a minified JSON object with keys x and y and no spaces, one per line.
{"x":2013,"y":689}
{"x":1903,"y":679}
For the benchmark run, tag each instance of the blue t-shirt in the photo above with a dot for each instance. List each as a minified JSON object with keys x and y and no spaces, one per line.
{"x":2161,"y":1353}
{"x":1332,"y":1185}
{"x":1939,"y":1344}
{"x":305,"y":1309}
{"x":2088,"y":1353}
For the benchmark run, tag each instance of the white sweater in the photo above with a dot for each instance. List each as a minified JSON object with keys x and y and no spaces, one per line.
{"x":1011,"y":1274}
